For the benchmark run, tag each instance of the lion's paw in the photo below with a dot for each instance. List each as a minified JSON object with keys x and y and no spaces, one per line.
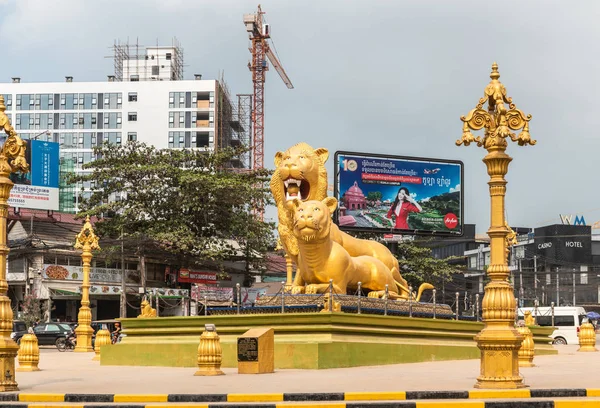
{"x":311,"y":289}
{"x":375,"y":294}
{"x":296,"y":290}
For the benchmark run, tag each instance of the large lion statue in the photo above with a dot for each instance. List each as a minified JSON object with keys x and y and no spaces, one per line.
{"x":321,"y":259}
{"x":300,"y":174}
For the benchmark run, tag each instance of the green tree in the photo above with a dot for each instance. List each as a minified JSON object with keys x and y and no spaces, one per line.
{"x":186,"y":202}
{"x":417,"y":265}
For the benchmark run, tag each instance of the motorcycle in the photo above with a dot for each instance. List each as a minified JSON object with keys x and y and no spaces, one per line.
{"x":68,"y":343}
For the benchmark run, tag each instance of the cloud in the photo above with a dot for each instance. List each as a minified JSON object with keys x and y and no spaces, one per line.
{"x":454,"y":189}
{"x":373,"y":100}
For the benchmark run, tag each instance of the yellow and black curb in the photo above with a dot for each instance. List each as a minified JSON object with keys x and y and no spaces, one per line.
{"x":536,"y":398}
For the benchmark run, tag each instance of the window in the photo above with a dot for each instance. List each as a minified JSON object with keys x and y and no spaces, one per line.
{"x":134,"y":78}
{"x":118,"y":139}
{"x":132,"y":96}
{"x":132,"y":116}
{"x":168,"y":56}
{"x":584,"y":278}
{"x":155,"y":69}
{"x":80,"y":160}
{"x":132,"y":136}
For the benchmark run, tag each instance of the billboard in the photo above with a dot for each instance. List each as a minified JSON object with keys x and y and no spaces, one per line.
{"x":39,"y":188}
{"x":398,"y":195}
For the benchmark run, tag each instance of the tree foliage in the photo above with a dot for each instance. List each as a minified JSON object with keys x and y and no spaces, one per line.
{"x":189,"y":202}
{"x":417,"y":265}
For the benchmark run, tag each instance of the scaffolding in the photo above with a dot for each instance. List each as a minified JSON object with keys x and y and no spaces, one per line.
{"x":66,"y":190}
{"x":244,"y":118}
{"x":134,"y":57}
{"x":232,"y":122}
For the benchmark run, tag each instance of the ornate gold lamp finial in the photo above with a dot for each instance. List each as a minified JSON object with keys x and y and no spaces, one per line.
{"x":495,"y":74}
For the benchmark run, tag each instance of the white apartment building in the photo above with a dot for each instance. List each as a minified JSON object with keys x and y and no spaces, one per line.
{"x":144,"y":101}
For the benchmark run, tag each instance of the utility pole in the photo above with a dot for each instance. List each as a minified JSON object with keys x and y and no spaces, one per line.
{"x":574,"y":289}
{"x":123,"y":280}
{"x":535,"y":276}
{"x":557,"y":288}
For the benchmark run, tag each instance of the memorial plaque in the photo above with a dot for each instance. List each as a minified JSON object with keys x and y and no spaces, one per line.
{"x":256,"y":351}
{"x":247,"y":349}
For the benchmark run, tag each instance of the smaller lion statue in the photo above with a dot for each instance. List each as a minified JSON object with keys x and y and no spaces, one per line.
{"x":529,"y":319}
{"x":147,"y":310}
{"x":320,"y":258}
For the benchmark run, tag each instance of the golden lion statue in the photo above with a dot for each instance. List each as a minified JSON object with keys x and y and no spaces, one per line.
{"x":300,"y":174}
{"x":147,"y":310}
{"x":320,"y":258}
{"x":529,"y":319}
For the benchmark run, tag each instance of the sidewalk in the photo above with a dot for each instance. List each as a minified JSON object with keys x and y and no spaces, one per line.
{"x":75,"y":373}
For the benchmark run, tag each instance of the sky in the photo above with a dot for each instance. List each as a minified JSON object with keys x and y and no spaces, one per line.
{"x":371,"y":76}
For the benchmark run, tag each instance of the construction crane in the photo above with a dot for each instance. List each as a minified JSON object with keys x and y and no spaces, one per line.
{"x":258,"y":32}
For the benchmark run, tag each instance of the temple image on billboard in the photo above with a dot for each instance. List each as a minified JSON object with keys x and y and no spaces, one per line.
{"x":401,"y":194}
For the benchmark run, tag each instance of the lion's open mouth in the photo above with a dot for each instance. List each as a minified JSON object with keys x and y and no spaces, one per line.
{"x":296,"y":189}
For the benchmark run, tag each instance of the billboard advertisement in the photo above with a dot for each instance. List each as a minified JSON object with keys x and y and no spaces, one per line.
{"x":39,"y":188}
{"x":398,"y":195}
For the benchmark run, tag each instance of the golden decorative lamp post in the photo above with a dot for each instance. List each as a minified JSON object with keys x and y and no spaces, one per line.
{"x":12,"y":159}
{"x":499,"y":342}
{"x":87,"y":241}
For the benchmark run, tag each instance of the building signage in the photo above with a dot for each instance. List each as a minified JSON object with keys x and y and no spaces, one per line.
{"x":103,"y":290}
{"x":558,"y":244}
{"x":569,"y":220}
{"x":190,"y":276}
{"x":75,"y":273}
{"x":211,"y":293}
{"x":398,"y":195}
{"x":39,"y":188}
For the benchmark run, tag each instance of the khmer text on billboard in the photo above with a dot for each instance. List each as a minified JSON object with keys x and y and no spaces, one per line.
{"x":39,"y":188}
{"x":403,"y":195}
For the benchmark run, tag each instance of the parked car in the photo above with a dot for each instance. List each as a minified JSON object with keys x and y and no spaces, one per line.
{"x":18,"y":330}
{"x":51,"y":333}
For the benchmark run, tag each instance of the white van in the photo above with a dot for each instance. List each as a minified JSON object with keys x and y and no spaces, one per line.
{"x":567,"y":320}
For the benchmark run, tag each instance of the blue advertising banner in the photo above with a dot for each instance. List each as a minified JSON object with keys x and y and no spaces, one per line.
{"x":39,"y":189}
{"x":400,"y":195}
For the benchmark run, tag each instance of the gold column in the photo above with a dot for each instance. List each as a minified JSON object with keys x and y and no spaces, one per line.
{"x":499,"y":342}
{"x":87,"y":241}
{"x":12,"y":159}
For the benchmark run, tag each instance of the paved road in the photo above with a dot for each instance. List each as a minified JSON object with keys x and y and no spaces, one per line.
{"x":75,"y":372}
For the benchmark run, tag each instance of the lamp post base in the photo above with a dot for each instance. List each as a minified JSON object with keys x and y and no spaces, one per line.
{"x":8,"y":353}
{"x":84,"y":339}
{"x":499,"y":358}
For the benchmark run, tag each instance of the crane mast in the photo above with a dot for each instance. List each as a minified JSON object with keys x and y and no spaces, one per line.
{"x":259,"y":33}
